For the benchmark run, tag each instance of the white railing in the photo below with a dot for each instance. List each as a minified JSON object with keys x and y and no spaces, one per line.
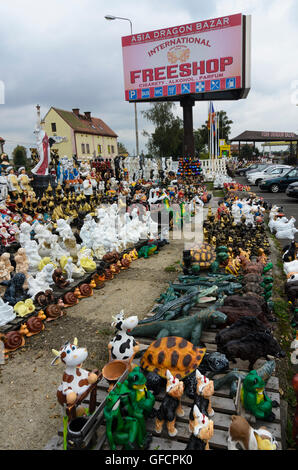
{"x":213,"y":167}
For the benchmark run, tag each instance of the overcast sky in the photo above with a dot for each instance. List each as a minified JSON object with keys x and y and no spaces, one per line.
{"x":64,"y":53}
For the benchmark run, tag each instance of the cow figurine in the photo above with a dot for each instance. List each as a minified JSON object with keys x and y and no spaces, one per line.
{"x":123,"y":346}
{"x":75,"y":380}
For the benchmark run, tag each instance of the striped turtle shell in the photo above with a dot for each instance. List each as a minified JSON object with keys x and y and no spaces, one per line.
{"x":176,"y":354}
{"x":204,"y":256}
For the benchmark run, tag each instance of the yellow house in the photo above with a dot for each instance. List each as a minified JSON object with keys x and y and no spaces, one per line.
{"x":85,"y":136}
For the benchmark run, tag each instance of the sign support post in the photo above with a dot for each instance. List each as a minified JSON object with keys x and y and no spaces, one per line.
{"x":187,"y":104}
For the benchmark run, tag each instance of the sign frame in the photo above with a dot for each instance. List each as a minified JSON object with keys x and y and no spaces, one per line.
{"x":227,"y":94}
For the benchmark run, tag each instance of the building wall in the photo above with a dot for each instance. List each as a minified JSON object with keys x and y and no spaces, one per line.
{"x":94,"y":141}
{"x":62,"y":130}
{"x":74,"y":142}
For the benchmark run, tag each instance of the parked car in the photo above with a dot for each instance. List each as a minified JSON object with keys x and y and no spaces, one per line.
{"x":270,"y":172}
{"x":292,"y":190}
{"x":280,"y":183}
{"x":243,"y":171}
{"x":261,"y":167}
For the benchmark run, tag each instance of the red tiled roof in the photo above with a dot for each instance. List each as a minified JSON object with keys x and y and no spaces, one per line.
{"x":80,"y":123}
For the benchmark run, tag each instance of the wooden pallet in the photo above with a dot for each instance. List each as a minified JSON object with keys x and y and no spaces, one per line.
{"x":223,"y":405}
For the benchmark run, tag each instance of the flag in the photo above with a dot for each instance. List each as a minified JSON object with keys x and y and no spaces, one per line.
{"x":211,"y":115}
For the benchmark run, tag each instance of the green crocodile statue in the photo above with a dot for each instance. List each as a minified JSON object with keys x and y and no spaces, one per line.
{"x":226,"y":287}
{"x":189,"y":328}
{"x":230,"y":379}
{"x":147,"y":250}
{"x":180,"y":306}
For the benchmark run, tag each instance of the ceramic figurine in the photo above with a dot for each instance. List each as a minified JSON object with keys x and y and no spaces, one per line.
{"x":14,"y":289}
{"x":189,"y":327}
{"x":243,"y":435}
{"x":84,"y":290}
{"x":5,"y":258}
{"x":75,"y":381}
{"x":44,"y":261}
{"x":87,"y":264}
{"x":13,"y":184}
{"x":7,"y":313}
{"x":251,"y":347}
{"x":24,"y":181}
{"x":24,"y":307}
{"x":70,"y":299}
{"x":44,"y":298}
{"x":123,"y":430}
{"x":22,"y":264}
{"x":53,"y":312}
{"x":64,"y":229}
{"x":202,"y":431}
{"x":170,"y":406}
{"x":25,"y":231}
{"x":157,"y":357}
{"x":12,"y":340}
{"x":39,"y":283}
{"x":33,"y":325}
{"x":59,"y":279}
{"x":4,"y":274}
{"x":202,"y":399}
{"x":254,"y":398}
{"x":122,"y":345}
{"x":31,"y":248}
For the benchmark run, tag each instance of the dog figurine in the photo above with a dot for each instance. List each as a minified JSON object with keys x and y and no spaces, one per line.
{"x":241,"y":433}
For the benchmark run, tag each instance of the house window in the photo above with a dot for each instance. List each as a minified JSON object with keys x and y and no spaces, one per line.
{"x":83,"y":148}
{"x":99,"y":148}
{"x":87,"y":148}
{"x":109,"y":149}
{"x":113,"y":151}
{"x":54,"y":128}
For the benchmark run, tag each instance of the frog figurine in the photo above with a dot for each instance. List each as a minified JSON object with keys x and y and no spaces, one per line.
{"x":127,"y":406}
{"x":254,"y":398}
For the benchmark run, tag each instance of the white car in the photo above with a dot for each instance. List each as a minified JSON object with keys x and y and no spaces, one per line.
{"x":269,"y":172}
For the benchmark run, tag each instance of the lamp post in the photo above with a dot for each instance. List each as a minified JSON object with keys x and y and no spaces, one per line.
{"x":111,"y":17}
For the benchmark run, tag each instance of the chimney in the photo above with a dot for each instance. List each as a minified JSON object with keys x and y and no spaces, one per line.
{"x":76,"y":111}
{"x":88,"y":115}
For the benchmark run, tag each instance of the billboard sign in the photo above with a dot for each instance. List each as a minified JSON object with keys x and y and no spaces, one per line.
{"x":201,"y":59}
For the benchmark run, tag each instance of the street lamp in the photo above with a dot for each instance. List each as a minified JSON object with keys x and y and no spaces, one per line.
{"x":110,"y":18}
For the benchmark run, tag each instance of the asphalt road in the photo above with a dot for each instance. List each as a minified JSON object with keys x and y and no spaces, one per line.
{"x":289,"y":204}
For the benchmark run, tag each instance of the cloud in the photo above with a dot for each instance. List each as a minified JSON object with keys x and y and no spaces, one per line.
{"x":64,"y":53}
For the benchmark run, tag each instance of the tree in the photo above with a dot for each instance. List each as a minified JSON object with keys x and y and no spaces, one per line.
{"x":122,"y":149}
{"x":246,"y":152}
{"x":202,"y":134}
{"x":224,"y":124}
{"x":19,"y":156}
{"x":167,"y":138}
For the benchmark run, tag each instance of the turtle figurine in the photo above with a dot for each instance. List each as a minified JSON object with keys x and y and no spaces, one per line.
{"x":206,"y":257}
{"x":172,"y":353}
